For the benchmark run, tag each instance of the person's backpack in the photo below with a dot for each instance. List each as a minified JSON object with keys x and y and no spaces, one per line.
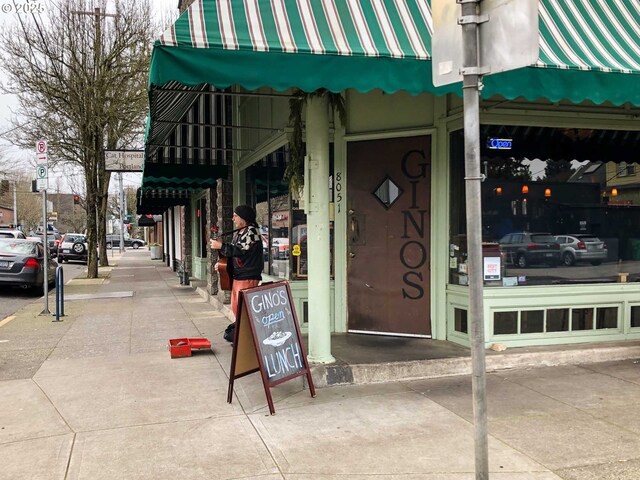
{"x":229,"y":332}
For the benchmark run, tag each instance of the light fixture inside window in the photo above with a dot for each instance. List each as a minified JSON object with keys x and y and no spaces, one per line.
{"x":614,"y":192}
{"x":547,"y":192}
{"x":498,"y":191}
{"x":525,"y":189}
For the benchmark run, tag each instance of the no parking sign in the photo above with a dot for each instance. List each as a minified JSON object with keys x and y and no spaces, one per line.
{"x":41,"y":146}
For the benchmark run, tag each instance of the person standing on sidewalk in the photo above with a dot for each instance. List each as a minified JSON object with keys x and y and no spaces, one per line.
{"x":245,"y":253}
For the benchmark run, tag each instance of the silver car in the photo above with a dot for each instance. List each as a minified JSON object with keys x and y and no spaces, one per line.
{"x":7,"y":233}
{"x":22,"y":263}
{"x":73,"y":246}
{"x":581,"y":247}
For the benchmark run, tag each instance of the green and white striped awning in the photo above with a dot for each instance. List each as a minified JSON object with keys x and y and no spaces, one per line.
{"x":589,"y":49}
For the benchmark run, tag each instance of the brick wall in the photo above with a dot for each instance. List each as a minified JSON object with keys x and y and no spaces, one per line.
{"x":224,"y":213}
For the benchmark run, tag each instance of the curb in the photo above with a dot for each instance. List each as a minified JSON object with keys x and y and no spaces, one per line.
{"x":361,"y":374}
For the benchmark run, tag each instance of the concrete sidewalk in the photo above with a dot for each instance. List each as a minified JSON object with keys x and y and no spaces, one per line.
{"x":97,"y":396}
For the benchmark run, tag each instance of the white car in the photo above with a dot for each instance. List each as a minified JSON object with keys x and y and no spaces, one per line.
{"x":8,"y":233}
{"x":73,"y":246}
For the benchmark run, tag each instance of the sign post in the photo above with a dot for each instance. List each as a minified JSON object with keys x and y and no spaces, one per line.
{"x":267,"y":339}
{"x":42,"y":181}
{"x":478,"y":38}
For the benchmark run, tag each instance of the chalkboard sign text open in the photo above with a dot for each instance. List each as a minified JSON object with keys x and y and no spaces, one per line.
{"x":267,"y":339}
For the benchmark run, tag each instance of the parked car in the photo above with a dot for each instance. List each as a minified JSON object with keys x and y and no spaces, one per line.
{"x":580,"y":247}
{"x":73,"y":246}
{"x":523,"y":249}
{"x":53,"y":239}
{"x":22,"y":263}
{"x":8,"y":233}
{"x":114,"y":241}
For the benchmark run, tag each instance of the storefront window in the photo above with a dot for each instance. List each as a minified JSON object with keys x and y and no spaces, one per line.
{"x":201,"y":232}
{"x":282,"y":221}
{"x":559,"y":206}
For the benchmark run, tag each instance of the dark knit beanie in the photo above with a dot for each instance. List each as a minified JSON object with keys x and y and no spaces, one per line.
{"x":245,"y":212}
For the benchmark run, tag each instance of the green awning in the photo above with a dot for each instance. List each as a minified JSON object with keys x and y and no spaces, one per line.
{"x":152,"y":201}
{"x":589,"y":50}
{"x":182,"y":176}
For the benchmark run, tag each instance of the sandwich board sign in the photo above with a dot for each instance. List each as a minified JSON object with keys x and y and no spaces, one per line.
{"x":267,"y":339}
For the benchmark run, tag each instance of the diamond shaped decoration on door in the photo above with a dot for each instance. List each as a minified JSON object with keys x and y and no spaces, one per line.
{"x":388,"y":192}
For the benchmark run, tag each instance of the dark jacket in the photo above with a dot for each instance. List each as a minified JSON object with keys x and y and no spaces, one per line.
{"x":245,"y":250}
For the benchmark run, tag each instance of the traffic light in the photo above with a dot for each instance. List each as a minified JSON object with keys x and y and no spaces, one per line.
{"x":76,"y":200}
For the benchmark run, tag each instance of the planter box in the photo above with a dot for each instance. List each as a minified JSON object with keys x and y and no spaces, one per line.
{"x":156,"y":252}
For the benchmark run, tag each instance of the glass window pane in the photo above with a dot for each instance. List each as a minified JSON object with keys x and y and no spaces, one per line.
{"x":607,"y":317}
{"x":532,"y":321}
{"x":582,"y":319}
{"x":558,"y":320}
{"x":505,"y":323}
{"x":460,"y":319}
{"x":556,"y":197}
{"x":635,"y":316}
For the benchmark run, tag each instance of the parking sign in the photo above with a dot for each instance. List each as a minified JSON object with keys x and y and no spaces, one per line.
{"x":41,"y":146}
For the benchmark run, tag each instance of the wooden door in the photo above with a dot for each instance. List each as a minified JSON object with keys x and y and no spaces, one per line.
{"x":388,"y":236}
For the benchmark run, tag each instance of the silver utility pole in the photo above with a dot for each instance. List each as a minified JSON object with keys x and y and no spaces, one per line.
{"x":46,"y":253}
{"x":120,"y":208}
{"x":15,"y":203}
{"x":471,"y":95}
{"x":462,"y":51}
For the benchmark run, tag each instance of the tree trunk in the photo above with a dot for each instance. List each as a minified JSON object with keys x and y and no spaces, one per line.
{"x":92,"y":261}
{"x":103,"y":201}
{"x":92,"y":204}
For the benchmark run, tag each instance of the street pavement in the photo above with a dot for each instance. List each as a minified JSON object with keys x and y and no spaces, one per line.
{"x":97,"y":396}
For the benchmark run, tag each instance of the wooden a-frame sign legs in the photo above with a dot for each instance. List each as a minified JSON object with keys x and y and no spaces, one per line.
{"x":267,"y":339}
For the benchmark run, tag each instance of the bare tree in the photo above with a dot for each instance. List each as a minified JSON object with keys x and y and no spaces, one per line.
{"x":80,"y":75}
{"x":29,"y":205}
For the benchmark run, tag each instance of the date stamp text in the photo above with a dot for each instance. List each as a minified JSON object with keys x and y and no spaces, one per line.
{"x":22,"y":6}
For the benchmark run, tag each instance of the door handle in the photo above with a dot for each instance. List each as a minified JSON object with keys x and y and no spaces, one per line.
{"x":351,"y":254}
{"x":355,"y":230}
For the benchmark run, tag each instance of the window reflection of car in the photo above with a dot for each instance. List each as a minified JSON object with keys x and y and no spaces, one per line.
{"x":581,"y":248}
{"x":280,"y":248}
{"x":265,"y":247}
{"x":523,"y":249}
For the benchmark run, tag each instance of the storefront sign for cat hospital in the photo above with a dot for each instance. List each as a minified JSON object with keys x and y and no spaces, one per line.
{"x":267,"y":339}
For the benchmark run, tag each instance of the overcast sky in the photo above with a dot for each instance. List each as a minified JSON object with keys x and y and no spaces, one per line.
{"x":8,"y":103}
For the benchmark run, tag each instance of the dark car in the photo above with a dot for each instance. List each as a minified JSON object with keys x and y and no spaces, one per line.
{"x":523,"y":249}
{"x":22,"y":264}
{"x":114,"y":241}
{"x":53,"y":239}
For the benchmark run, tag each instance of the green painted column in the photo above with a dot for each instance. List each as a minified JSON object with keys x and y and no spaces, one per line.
{"x":319,"y":256}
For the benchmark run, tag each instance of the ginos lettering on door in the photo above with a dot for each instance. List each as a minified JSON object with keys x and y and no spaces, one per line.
{"x":415,"y":168}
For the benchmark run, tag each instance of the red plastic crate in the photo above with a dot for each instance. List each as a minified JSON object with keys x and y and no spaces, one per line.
{"x":181,"y":347}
